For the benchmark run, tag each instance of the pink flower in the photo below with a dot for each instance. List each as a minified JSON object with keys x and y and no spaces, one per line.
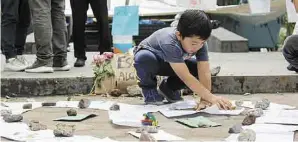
{"x":99,"y":59}
{"x":108,"y":55}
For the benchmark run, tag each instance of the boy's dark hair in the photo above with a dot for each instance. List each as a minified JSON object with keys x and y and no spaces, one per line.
{"x":194,"y":23}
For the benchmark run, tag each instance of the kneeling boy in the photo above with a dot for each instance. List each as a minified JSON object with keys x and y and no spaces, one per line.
{"x":169,"y":52}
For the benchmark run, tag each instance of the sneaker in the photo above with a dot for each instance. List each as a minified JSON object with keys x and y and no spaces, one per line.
{"x":23,"y":60}
{"x":292,"y":68}
{"x":152,"y":97}
{"x":14,"y":64}
{"x":79,"y":62}
{"x":38,"y":67}
{"x":170,"y":95}
{"x":64,"y":68}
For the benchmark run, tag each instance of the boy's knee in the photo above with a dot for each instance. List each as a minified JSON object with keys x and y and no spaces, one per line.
{"x":145,"y":57}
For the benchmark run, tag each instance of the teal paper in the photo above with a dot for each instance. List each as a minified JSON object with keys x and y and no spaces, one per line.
{"x":126,"y":20}
{"x":79,"y":117}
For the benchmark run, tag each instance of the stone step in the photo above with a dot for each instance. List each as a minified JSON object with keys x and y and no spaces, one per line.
{"x":240,"y":73}
{"x":223,"y":40}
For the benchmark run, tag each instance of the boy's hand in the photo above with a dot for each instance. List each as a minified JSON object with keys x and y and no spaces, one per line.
{"x":221,"y":102}
{"x":202,"y":105}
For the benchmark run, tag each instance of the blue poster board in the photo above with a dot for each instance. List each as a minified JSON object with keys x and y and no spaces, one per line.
{"x":126,"y":20}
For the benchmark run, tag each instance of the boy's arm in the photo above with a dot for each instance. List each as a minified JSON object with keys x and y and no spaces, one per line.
{"x":204,"y":74}
{"x":183,"y":73}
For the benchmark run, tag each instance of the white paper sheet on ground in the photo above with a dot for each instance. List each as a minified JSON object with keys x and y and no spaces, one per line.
{"x":175,"y":113}
{"x":30,"y":135}
{"x":19,"y":127}
{"x":216,"y":111}
{"x":273,"y":106}
{"x":210,"y":110}
{"x":68,"y":104}
{"x":107,"y":139}
{"x":182,"y":105}
{"x":281,"y":120}
{"x":102,"y":105}
{"x":123,"y":118}
{"x":69,"y":139}
{"x":271,"y":128}
{"x":140,"y":108}
{"x":279,"y":117}
{"x":17,"y":107}
{"x":160,"y":136}
{"x":264,"y":137}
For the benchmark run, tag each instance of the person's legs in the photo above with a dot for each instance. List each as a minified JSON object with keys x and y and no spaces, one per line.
{"x":170,"y":87}
{"x":290,"y":52}
{"x":9,"y":18}
{"x":59,"y":37}
{"x":79,"y":11}
{"x":42,"y":27}
{"x":147,"y":66}
{"x":100,"y":10}
{"x":21,"y":30}
{"x":22,"y":26}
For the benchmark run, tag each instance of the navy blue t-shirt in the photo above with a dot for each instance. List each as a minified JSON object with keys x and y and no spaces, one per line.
{"x":165,"y":44}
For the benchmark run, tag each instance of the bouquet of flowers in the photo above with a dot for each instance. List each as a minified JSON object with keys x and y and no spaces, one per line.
{"x":102,"y":68}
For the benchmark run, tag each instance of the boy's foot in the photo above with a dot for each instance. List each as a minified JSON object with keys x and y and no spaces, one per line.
{"x":38,"y":67}
{"x":79,"y":62}
{"x":170,"y":95}
{"x":14,"y":64}
{"x":152,"y":97}
{"x":292,"y":68}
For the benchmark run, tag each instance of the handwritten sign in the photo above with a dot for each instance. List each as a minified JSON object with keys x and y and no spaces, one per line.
{"x":126,"y":20}
{"x":125,"y":74}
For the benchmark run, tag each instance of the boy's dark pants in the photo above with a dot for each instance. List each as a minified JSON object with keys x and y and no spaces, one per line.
{"x":290,"y":50}
{"x":14,"y":25}
{"x":148,"y":66}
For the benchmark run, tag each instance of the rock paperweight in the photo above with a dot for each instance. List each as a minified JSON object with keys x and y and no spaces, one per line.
{"x":247,"y":135}
{"x":64,"y":130}
{"x":71,"y":112}
{"x":13,"y":118}
{"x":84,"y":103}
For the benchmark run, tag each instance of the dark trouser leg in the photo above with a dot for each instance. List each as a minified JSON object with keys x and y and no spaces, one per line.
{"x":290,"y":51}
{"x":42,"y":26}
{"x":9,"y":18}
{"x":22,"y":26}
{"x":59,"y":33}
{"x":147,"y":66}
{"x":173,"y":81}
{"x":100,"y":11}
{"x":79,"y":12}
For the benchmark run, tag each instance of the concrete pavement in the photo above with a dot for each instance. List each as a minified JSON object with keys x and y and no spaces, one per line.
{"x":101,"y":127}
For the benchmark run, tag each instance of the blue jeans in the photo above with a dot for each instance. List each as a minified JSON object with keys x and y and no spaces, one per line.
{"x":148,"y":66}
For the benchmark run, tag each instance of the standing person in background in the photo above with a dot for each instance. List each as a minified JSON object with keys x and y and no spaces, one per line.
{"x":49,"y":32}
{"x":79,"y":12}
{"x":14,"y":25}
